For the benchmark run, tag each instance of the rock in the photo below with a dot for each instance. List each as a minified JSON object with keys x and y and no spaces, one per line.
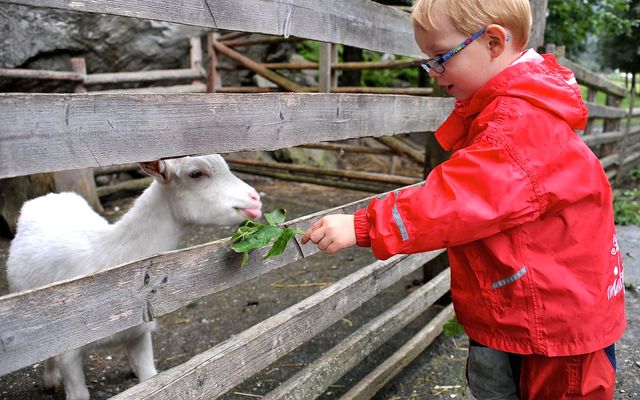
{"x":40,"y":38}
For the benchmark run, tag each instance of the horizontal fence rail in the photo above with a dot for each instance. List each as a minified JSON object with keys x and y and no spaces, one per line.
{"x":91,"y":307}
{"x":48,"y":132}
{"x":214,"y":372}
{"x":376,"y":379}
{"x":312,"y":381}
{"x":592,"y":79}
{"x":359,"y":23}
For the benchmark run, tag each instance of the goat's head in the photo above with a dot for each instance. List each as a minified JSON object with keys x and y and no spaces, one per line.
{"x":202,"y":190}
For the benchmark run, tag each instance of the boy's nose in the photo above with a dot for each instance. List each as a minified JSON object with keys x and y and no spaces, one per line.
{"x":433,"y":73}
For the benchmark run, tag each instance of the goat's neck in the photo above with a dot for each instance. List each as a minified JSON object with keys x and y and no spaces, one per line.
{"x":149,"y":227}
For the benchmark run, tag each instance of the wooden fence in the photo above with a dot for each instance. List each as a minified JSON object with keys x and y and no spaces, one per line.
{"x":51,"y":132}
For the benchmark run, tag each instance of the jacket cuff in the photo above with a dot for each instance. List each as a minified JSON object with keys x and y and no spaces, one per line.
{"x":362,"y":225}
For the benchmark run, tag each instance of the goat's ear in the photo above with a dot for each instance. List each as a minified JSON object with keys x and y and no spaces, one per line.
{"x":157,"y":169}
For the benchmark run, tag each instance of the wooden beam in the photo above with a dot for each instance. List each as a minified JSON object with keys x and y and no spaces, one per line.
{"x":310,"y":382}
{"x":372,"y":383}
{"x":349,"y":66}
{"x":214,"y":80}
{"x":596,"y":139}
{"x":402,"y":148}
{"x":343,"y":147}
{"x":144,"y":76}
{"x":214,"y":372}
{"x":412,"y":91}
{"x":258,"y":68}
{"x":607,"y":112}
{"x":363,"y":24}
{"x":49,"y":132}
{"x":191,"y":88}
{"x":259,"y":41}
{"x":40,"y":74}
{"x":327,"y":78}
{"x":367,"y":176}
{"x":591,"y":79}
{"x":81,"y":311}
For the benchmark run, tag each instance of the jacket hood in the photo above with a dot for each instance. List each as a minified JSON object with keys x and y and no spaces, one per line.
{"x":538,"y":79}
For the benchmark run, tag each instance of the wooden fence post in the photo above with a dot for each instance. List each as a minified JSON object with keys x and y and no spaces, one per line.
{"x":195,"y":56}
{"x":80,"y":181}
{"x":213,"y":78}
{"x":79,"y":66}
{"x":326,"y":75}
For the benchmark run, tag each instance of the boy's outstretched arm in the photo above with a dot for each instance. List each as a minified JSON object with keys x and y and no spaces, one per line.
{"x":332,"y":233}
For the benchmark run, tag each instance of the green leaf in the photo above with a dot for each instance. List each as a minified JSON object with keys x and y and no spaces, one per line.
{"x":452,"y":327}
{"x":276,"y":217}
{"x":261,"y":237}
{"x":281,"y":242}
{"x":245,"y":259}
{"x":246,"y":229}
{"x":251,"y":235}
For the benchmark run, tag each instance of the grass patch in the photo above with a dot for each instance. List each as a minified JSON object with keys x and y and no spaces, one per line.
{"x":626,"y":202}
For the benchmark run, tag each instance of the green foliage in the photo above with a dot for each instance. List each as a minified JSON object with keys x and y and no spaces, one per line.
{"x":626,"y":207}
{"x":387,"y":77}
{"x":570,"y":22}
{"x":621,"y":51}
{"x":452,"y":327}
{"x":635,"y":174}
{"x":309,"y":49}
{"x":252,"y":235}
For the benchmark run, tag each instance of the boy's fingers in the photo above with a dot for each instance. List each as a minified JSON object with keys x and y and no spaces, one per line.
{"x":310,"y":231}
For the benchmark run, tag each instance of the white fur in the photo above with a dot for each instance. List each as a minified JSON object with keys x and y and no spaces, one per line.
{"x":59,"y":236}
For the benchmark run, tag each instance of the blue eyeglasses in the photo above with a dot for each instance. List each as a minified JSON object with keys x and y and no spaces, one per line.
{"x":436,"y":63}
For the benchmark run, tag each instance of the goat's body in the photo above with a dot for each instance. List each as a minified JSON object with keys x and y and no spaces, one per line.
{"x":70,"y":229}
{"x":60,"y":237}
{"x":79,"y":241}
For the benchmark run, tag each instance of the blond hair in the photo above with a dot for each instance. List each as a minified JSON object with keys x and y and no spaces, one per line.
{"x":468,"y":16}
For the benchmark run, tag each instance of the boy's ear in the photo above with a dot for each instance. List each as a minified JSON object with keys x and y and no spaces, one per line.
{"x":498,"y":38}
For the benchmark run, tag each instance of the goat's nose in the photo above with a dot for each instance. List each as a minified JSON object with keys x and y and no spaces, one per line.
{"x":254,"y":196}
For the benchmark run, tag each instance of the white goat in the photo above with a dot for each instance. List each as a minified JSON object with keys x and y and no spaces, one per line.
{"x":59,"y":237}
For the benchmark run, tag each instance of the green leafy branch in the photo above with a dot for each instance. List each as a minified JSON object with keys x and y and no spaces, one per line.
{"x":253,"y":235}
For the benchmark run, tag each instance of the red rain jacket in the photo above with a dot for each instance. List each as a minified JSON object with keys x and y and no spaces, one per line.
{"x":525,"y":210}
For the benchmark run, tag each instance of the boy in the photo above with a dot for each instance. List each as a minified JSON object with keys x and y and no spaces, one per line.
{"x":523,"y":207}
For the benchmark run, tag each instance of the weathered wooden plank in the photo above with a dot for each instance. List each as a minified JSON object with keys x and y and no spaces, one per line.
{"x":313,"y":380}
{"x":372,"y":383}
{"x":40,"y":74}
{"x":591,"y":79}
{"x":359,"y":23}
{"x":144,"y":76}
{"x":212,"y":373}
{"x":190,"y":88}
{"x":597,"y":139}
{"x":600,"y":111}
{"x":609,"y":160}
{"x":49,"y":132}
{"x":90,"y":307}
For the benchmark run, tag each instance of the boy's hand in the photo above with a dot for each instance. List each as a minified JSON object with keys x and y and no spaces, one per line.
{"x":332,"y":233}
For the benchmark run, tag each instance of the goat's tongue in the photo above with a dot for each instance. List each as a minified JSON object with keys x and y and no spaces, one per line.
{"x":253,"y":212}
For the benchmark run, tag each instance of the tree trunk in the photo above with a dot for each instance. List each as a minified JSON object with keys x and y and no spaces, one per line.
{"x":351,"y":78}
{"x":539,"y":13}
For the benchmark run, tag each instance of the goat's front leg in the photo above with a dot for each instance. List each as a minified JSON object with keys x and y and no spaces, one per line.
{"x":70,"y":365}
{"x":52,"y":376}
{"x":140,"y":354}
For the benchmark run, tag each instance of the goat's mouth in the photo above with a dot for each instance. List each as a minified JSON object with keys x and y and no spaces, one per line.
{"x":251,"y":213}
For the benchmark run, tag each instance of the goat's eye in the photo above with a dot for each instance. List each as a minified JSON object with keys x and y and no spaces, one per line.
{"x":195,"y":174}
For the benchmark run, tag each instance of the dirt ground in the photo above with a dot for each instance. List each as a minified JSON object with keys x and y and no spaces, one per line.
{"x":436,"y":374}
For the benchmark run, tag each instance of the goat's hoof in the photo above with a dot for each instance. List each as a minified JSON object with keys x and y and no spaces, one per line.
{"x":52,"y":389}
